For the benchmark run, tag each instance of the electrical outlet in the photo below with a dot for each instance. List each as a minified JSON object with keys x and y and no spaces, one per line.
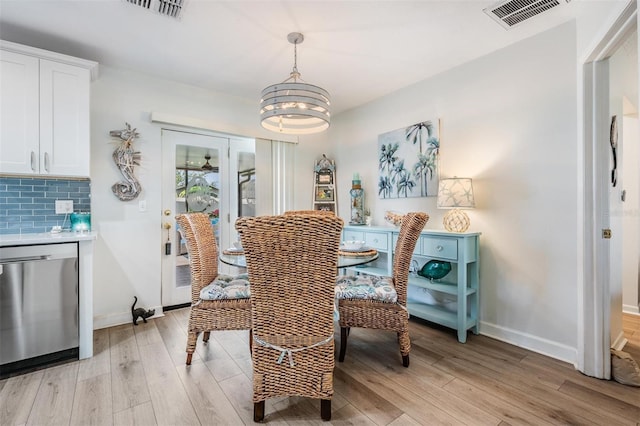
{"x":64,"y":206}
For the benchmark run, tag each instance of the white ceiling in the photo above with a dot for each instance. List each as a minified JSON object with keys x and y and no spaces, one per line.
{"x":357,"y":50}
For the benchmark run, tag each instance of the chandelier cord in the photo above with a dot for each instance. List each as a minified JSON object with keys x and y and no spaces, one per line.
{"x":295,"y":74}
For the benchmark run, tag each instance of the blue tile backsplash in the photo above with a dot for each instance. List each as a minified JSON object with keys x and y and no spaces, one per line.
{"x":28,"y":205}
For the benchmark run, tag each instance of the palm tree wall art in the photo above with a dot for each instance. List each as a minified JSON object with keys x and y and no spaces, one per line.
{"x":408,"y":161}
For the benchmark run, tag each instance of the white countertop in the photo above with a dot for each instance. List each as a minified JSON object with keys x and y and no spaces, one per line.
{"x":45,"y":238}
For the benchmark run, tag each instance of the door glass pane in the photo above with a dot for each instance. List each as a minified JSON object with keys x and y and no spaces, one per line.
{"x":246,"y":184}
{"x":197,"y":190}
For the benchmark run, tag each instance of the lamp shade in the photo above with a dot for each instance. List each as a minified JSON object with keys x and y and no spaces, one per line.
{"x":455,"y":193}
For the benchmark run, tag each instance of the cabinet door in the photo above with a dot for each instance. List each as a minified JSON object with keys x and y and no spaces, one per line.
{"x":64,"y":119}
{"x":18,"y":113}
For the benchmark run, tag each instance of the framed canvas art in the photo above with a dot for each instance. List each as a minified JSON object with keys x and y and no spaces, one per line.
{"x":408,"y":161}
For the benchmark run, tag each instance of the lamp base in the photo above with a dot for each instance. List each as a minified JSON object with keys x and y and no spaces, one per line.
{"x":456,"y":221}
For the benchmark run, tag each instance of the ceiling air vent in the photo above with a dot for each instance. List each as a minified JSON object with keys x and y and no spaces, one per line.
{"x":171,"y":8}
{"x":510,"y":13}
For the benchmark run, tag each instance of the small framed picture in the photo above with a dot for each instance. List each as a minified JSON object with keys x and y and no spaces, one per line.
{"x":324,"y":193}
{"x":324,"y":178}
{"x":325,"y":207}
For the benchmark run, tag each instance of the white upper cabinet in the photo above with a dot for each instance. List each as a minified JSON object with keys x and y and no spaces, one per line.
{"x":19,"y":113}
{"x":44,"y":115}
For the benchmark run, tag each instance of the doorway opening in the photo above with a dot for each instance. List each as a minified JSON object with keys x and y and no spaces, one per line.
{"x":600,"y":297}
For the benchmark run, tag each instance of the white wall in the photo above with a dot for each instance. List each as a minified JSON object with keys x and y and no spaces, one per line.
{"x":129,"y":249}
{"x":631,"y":217}
{"x":508,"y":120}
{"x":623,"y":92}
{"x":624,"y":101}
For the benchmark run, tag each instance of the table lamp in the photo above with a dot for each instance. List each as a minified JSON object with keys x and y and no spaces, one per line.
{"x":455,"y":193}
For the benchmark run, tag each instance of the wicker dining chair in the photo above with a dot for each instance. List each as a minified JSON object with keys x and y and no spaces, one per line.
{"x":381,"y":302}
{"x":292,"y":261}
{"x":218,"y":301}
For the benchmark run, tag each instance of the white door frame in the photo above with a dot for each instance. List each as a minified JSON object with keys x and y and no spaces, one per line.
{"x":594,"y":309}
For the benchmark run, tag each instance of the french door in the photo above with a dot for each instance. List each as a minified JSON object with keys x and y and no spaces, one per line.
{"x":201,"y":173}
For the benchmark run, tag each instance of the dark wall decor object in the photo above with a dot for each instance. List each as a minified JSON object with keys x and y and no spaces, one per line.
{"x":613,"y":140}
{"x":125,"y":158}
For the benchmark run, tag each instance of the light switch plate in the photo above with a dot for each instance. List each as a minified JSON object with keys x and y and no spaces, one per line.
{"x":64,"y":206}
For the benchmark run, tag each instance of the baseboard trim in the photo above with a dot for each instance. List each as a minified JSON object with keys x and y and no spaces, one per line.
{"x":619,"y":342}
{"x":533,"y":343}
{"x":631,"y":309}
{"x":173,"y":307}
{"x":111,"y":320}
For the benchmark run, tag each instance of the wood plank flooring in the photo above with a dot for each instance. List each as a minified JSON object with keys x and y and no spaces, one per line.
{"x":138,"y":377}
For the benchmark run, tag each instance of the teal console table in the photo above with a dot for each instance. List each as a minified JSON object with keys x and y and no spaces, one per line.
{"x":461,"y":286}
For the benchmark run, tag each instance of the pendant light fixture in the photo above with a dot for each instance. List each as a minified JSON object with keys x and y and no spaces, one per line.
{"x":293,"y":106}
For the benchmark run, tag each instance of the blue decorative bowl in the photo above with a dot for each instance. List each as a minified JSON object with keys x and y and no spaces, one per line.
{"x":435,"y":269}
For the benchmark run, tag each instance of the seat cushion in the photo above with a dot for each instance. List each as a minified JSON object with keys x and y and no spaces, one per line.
{"x":227,"y":287}
{"x":366,"y":287}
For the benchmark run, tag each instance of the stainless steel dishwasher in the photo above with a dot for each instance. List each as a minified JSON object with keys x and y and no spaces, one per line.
{"x":38,"y":305}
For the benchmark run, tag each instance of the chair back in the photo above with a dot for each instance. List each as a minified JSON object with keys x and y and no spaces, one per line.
{"x":202,"y":248}
{"x":292,"y":262}
{"x":412,"y":225}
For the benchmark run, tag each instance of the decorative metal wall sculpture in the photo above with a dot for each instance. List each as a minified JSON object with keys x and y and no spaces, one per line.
{"x":125,"y":158}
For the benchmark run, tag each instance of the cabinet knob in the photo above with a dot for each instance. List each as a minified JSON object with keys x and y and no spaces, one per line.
{"x":439,"y":248}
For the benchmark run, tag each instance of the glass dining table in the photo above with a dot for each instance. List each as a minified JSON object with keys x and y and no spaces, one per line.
{"x":345,"y":260}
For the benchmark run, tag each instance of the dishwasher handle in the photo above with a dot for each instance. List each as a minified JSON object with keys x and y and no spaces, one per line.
{"x":25,"y":259}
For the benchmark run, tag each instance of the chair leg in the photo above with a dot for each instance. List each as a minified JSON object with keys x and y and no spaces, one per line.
{"x":325,"y":409}
{"x":405,"y":346}
{"x":405,"y":360}
{"x":344,"y":332}
{"x":258,"y":411}
{"x":192,"y":338}
{"x":205,"y":336}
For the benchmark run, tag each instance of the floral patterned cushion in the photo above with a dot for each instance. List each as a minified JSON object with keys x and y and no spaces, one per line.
{"x":367,"y":287}
{"x":227,"y":287}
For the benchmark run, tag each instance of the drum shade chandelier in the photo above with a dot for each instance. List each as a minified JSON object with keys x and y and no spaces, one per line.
{"x":293,"y":106}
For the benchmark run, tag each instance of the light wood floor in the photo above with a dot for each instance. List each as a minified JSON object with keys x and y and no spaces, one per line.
{"x":138,"y":376}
